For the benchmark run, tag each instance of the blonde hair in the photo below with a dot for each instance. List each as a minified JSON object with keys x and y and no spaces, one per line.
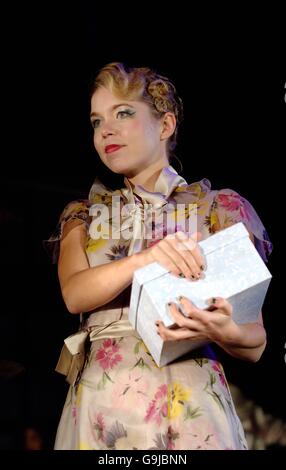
{"x":145,"y":85}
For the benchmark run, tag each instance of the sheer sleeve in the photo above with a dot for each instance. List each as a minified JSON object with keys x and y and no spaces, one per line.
{"x":229,"y":208}
{"x":75,"y":210}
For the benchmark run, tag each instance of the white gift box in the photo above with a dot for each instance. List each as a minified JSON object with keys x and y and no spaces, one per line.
{"x":234,"y":271}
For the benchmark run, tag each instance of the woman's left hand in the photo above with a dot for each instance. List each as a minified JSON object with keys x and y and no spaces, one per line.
{"x":215,"y":324}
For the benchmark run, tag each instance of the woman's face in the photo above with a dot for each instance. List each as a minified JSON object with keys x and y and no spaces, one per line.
{"x":127,"y":137}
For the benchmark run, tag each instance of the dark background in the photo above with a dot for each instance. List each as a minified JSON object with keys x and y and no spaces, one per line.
{"x":233,"y":93}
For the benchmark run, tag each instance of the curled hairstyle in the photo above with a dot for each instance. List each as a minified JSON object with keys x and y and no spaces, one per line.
{"x":143,"y":84}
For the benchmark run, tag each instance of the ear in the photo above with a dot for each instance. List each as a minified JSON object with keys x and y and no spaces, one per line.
{"x":168,"y":125}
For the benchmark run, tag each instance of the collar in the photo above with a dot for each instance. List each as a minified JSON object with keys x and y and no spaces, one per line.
{"x":166,"y":183}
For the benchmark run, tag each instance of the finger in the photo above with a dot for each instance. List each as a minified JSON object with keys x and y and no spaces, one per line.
{"x":219,"y":303}
{"x":196,"y":236}
{"x":201,"y":317}
{"x":176,"y":335}
{"x":190,"y":244}
{"x":184,"y":245}
{"x":181,"y":320}
{"x":165,"y":260}
{"x":182,"y":254}
{"x":199,"y":255}
{"x":169,"y":245}
{"x":189,"y":309}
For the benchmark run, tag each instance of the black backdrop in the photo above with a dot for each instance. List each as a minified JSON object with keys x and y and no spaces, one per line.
{"x":232,"y":134}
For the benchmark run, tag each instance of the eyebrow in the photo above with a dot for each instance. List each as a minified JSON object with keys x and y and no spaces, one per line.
{"x":112,"y":108}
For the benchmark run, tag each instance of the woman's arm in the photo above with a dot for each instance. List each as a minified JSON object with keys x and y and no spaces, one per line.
{"x":85,"y":288}
{"x":216,"y":325}
{"x":251,"y":342}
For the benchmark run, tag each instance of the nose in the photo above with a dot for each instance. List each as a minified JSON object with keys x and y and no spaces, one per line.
{"x":107,"y":129}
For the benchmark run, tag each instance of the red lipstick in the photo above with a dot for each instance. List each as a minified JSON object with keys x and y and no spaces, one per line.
{"x":112,"y":148}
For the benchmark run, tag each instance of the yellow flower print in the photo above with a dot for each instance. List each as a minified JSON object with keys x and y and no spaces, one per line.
{"x":84,"y":446}
{"x":228,"y":222}
{"x":177,"y":396}
{"x":214,"y":222}
{"x":202,"y":207}
{"x":105,"y":198}
{"x":179,"y":215}
{"x":93,"y":244}
{"x":143,"y":345}
{"x":78,"y":395}
{"x":195,"y":189}
{"x":202,"y":195}
{"x":140,"y":344}
{"x":101,"y":199}
{"x":75,"y":208}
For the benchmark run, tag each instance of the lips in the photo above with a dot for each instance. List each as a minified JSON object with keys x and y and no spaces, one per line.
{"x":112,"y":148}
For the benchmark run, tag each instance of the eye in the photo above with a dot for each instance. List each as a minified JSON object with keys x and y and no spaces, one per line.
{"x":95,"y":123}
{"x":125,"y":113}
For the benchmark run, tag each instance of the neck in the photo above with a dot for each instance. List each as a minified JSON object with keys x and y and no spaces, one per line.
{"x":148,"y":176}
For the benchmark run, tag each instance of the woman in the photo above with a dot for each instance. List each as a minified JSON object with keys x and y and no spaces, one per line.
{"x":118,"y":398}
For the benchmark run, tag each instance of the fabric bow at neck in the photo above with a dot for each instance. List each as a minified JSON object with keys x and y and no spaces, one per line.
{"x":138,"y":203}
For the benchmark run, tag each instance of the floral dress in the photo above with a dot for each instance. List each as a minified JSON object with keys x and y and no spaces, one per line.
{"x":118,"y":397}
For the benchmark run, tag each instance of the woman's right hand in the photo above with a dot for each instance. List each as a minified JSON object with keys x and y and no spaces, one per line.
{"x":178,"y":253}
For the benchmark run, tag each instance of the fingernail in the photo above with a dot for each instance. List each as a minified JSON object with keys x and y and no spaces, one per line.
{"x":182,"y":275}
{"x":169,"y":304}
{"x":202,"y":267}
{"x":156,"y":323}
{"x":213,"y":300}
{"x":180,"y":298}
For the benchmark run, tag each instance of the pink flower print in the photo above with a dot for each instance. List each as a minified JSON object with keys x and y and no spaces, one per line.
{"x":74,"y":413}
{"x":219,"y":370}
{"x":166,"y":441}
{"x":100,"y":427}
{"x":130,"y":390}
{"x":107,"y":354}
{"x":233,"y":202}
{"x":158,"y":408}
{"x":171,"y":437}
{"x":230,"y":202}
{"x":170,"y":445}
